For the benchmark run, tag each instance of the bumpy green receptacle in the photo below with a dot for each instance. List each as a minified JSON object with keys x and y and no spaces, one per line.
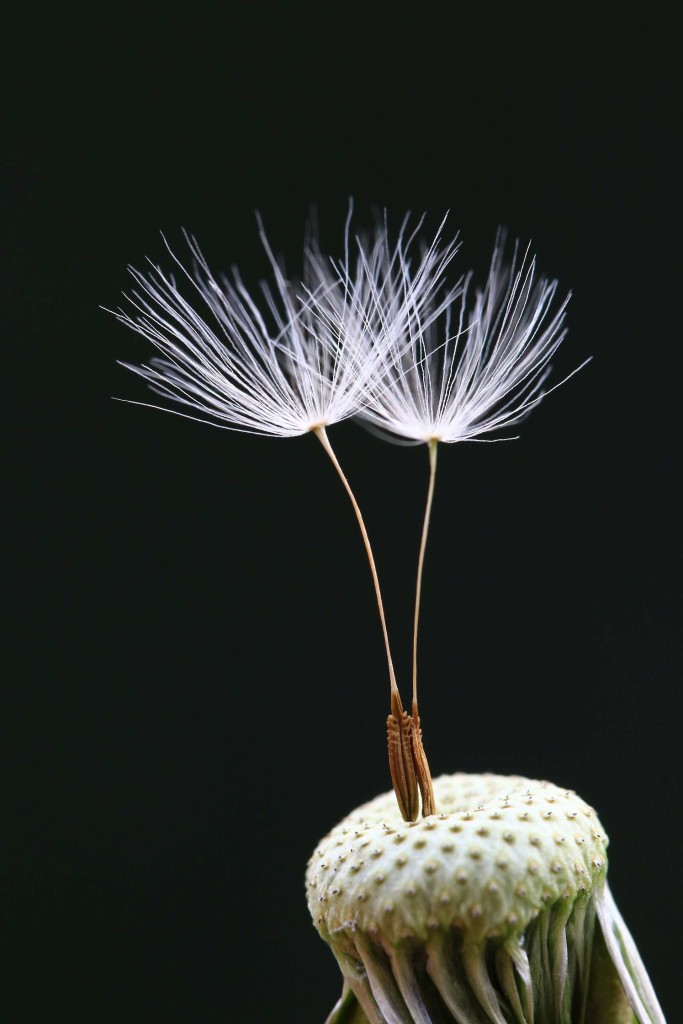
{"x":484,"y":912}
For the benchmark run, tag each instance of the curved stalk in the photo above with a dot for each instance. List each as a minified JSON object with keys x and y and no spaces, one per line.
{"x":405,"y":773}
{"x":321,"y":434}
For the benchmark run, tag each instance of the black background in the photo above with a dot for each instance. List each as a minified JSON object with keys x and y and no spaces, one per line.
{"x":195,"y":689}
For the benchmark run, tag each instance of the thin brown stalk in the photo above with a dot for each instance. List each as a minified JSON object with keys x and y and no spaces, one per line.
{"x":399,"y":724}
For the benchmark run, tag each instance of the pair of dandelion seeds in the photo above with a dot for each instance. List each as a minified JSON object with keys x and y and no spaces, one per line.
{"x":479,"y":899}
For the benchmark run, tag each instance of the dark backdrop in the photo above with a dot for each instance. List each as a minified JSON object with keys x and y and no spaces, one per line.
{"x":194,"y":687}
